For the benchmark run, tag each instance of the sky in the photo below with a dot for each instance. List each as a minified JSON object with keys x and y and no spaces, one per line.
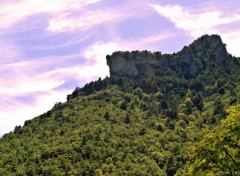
{"x":48,"y":48}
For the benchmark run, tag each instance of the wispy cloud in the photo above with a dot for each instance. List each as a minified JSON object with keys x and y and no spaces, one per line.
{"x":26,"y":93}
{"x":202,"y":21}
{"x":87,"y":19}
{"x":232,"y":40}
{"x":195,"y":22}
{"x":15,"y":11}
{"x":150,"y":42}
{"x":8,"y":51}
{"x":16,"y":112}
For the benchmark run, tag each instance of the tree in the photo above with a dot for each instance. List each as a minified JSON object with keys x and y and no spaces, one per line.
{"x":127,"y":119}
{"x":107,"y":116}
{"x":123,"y":105}
{"x":164,"y":104}
{"x":189,"y":104}
{"x":219,"y":108}
{"x":139,"y":92}
{"x":219,"y":151}
{"x":171,"y":167}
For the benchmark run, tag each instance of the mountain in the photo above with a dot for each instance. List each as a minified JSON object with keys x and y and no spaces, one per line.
{"x":157,"y":114}
{"x":189,"y":62}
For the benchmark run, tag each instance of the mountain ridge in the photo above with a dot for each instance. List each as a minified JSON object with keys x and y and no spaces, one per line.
{"x":190,"y":61}
{"x":146,"y":124}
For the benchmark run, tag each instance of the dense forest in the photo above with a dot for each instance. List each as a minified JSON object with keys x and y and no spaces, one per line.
{"x":168,"y":124}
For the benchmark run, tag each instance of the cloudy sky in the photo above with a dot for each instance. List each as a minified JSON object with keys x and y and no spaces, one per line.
{"x":49,"y":47}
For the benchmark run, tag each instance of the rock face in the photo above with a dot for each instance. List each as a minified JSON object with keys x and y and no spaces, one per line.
{"x":191,"y":60}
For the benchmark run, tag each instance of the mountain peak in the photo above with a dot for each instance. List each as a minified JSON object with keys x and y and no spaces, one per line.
{"x":213,"y":40}
{"x":191,"y":60}
{"x":206,"y":42}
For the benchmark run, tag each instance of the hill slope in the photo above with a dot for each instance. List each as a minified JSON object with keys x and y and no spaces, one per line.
{"x":130,"y":124}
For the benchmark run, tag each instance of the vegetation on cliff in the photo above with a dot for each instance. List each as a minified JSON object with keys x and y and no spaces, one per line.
{"x":135,"y":125}
{"x":206,"y":51}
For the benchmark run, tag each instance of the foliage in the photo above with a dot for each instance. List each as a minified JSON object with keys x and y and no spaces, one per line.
{"x":136,"y":125}
{"x":219,"y":151}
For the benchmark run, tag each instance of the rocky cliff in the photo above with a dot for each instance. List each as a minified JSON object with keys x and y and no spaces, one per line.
{"x":203,"y":52}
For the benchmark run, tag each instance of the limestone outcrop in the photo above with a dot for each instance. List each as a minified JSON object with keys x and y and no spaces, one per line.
{"x":188,"y":62}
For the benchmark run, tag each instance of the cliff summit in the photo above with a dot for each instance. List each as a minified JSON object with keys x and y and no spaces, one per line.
{"x":191,"y":60}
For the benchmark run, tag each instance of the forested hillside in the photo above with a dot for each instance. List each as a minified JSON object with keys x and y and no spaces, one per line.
{"x":157,"y":124}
